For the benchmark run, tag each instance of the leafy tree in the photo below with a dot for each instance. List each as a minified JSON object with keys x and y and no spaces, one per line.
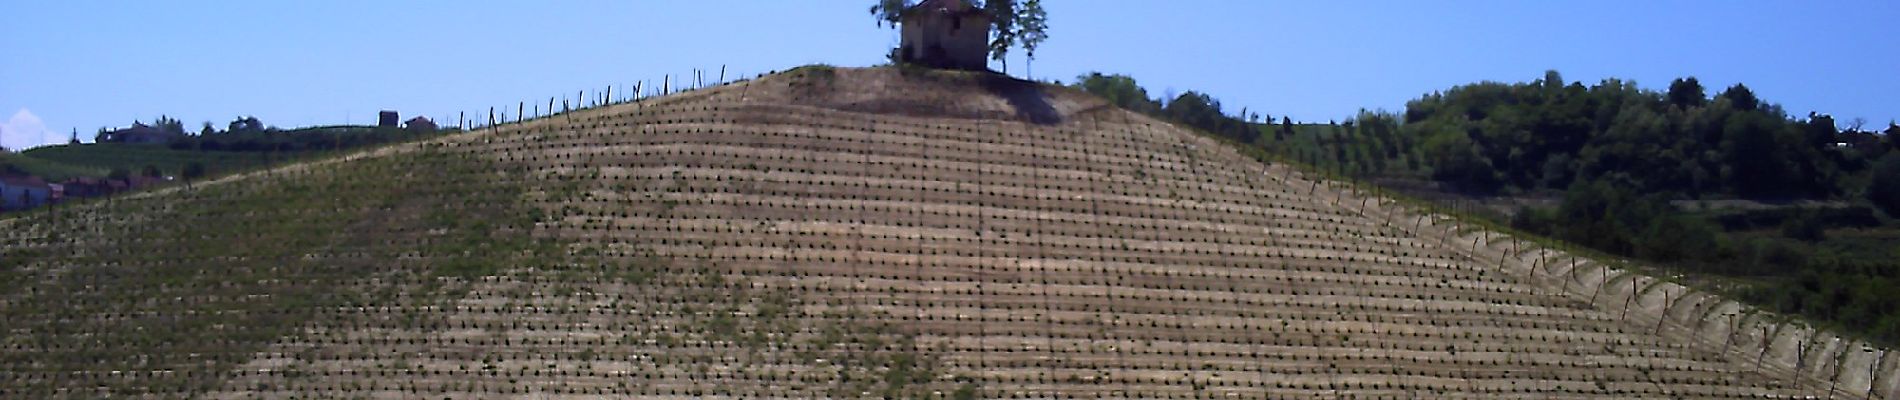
{"x":1892,"y":136}
{"x":1003,"y":32}
{"x":1742,"y":98}
{"x":1120,"y":90}
{"x":1884,"y":190}
{"x":889,"y":12}
{"x":1755,"y":164}
{"x":170,"y":126}
{"x":1807,"y":226}
{"x":193,"y":170}
{"x":1033,"y":29}
{"x":245,"y":124}
{"x":1687,"y":92}
{"x":1820,"y":130}
{"x":1553,"y":81}
{"x":1012,"y":23}
{"x":1674,"y":238}
{"x":1455,"y":159}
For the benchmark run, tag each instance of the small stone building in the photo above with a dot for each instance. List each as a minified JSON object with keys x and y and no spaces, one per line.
{"x":946,"y":34}
{"x":140,"y":133}
{"x":419,"y":125}
{"x":388,"y":119}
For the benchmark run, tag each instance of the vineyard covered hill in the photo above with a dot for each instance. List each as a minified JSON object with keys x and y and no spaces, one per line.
{"x":848,"y":233}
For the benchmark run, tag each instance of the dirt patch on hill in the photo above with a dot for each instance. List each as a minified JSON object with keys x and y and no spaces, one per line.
{"x":919,"y":92}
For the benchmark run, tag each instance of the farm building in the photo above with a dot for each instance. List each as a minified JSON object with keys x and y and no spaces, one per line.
{"x":387,"y":119}
{"x":23,"y":192}
{"x":419,"y":125}
{"x":142,"y":134}
{"x":85,"y":187}
{"x":946,"y":34}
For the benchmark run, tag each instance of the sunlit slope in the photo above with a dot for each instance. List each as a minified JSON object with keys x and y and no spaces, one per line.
{"x":841,"y":233}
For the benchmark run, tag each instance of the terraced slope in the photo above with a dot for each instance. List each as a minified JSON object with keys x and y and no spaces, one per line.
{"x":847,"y":233}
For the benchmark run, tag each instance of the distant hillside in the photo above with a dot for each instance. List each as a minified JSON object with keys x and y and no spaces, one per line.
{"x":215,"y":154}
{"x":850,"y":233}
{"x":1626,"y":172}
{"x":99,"y":160}
{"x":15,"y":163}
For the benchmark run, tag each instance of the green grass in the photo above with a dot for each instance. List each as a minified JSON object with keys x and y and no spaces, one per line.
{"x":197,"y":281}
{"x":52,"y":171}
{"x":97,"y":160}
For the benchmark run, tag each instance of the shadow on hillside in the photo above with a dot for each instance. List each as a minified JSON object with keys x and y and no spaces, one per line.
{"x":1028,"y":98}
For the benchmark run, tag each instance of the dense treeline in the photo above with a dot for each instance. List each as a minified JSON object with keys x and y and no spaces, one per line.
{"x":1367,"y":144}
{"x":295,"y":140}
{"x":248,"y":134}
{"x":1493,"y":138}
{"x":1632,"y":167}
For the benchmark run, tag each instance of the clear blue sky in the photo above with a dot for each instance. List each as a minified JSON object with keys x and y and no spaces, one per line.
{"x":86,"y":64}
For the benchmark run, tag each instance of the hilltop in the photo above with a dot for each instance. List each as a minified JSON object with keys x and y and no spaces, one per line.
{"x":843,"y":232}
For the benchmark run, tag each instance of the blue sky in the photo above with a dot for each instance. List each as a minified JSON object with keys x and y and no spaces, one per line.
{"x":86,"y":64}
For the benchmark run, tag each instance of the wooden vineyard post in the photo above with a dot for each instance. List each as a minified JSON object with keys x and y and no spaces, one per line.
{"x":1634,"y":291}
{"x":1665,"y":314}
{"x":1600,"y":284}
{"x":1873,"y":373}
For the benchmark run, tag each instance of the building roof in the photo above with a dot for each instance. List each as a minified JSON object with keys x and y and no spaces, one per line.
{"x":945,"y":7}
{"x":138,"y":128}
{"x":24,"y":181}
{"x":141,"y":130}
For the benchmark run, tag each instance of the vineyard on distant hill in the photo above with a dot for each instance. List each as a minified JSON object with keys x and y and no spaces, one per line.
{"x":862,"y":233}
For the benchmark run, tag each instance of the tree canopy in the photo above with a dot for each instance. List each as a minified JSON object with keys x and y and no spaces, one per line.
{"x":1013,"y":23}
{"x":1624,"y":164}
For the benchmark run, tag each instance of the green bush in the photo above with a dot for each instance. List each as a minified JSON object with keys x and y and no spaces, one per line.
{"x":1884,"y":188}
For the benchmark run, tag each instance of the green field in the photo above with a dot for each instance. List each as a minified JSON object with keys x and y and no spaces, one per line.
{"x":98,"y":160}
{"x":46,"y":169}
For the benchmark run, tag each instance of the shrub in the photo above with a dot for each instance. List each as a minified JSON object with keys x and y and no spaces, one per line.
{"x":1884,"y":190}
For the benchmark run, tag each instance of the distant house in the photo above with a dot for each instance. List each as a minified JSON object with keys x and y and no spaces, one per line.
{"x":85,"y":187}
{"x":141,"y":133}
{"x":23,"y":192}
{"x":141,"y":181}
{"x":387,"y":119}
{"x":946,"y":34}
{"x":419,"y":125}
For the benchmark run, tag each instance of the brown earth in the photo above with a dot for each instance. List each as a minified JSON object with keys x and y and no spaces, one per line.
{"x":833,"y":232}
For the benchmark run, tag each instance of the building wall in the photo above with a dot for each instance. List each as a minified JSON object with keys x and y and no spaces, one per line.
{"x":965,"y":43}
{"x":15,"y":197}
